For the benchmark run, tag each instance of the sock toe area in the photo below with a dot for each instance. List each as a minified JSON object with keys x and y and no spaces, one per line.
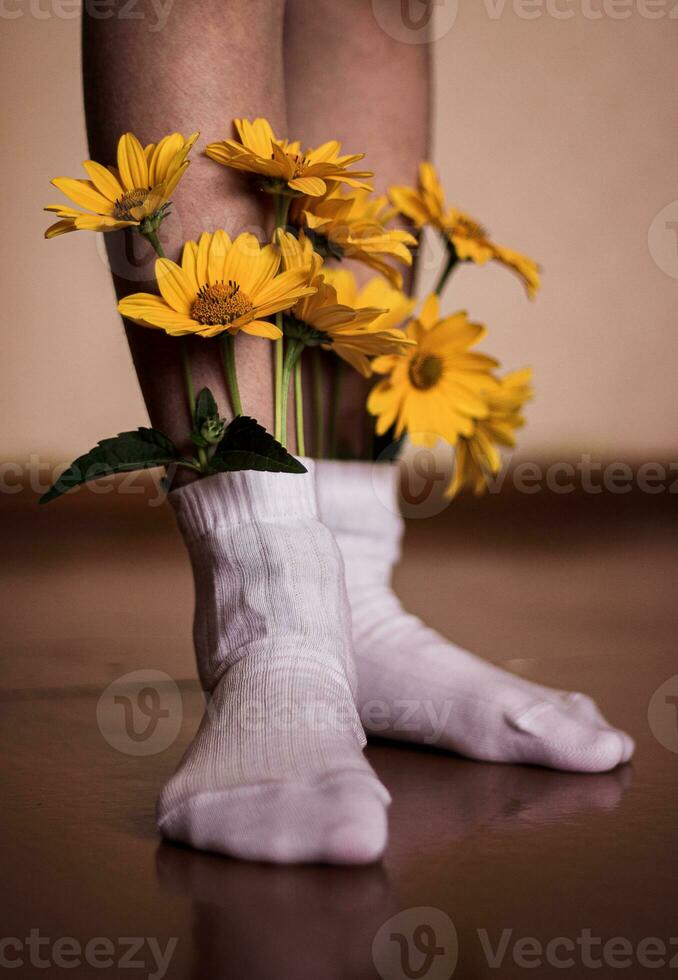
{"x":357,"y":831}
{"x":585,"y":709}
{"x":560,"y":741}
{"x":629,"y":745}
{"x":340,"y":819}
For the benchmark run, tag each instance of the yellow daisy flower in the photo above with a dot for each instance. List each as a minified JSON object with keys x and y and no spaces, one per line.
{"x":221,"y":285}
{"x":439,"y":388}
{"x":353,"y":334}
{"x":476,"y":457}
{"x":282,"y":164}
{"x":468,"y":238}
{"x":376,"y":292}
{"x":138,"y":188}
{"x":352,"y":226}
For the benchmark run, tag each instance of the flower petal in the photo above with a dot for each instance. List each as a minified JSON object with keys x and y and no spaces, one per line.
{"x":430,"y":312}
{"x":163,"y":155}
{"x":256,"y":135}
{"x":84,"y":194}
{"x":202,"y":259}
{"x":261,"y":328}
{"x":169,"y":186}
{"x":96,"y":222}
{"x":245,"y":265}
{"x":61,"y":228}
{"x":219,"y":247}
{"x":313,"y":186}
{"x":410,"y":203}
{"x":174,"y":286}
{"x":152,"y":311}
{"x":189,"y":259}
{"x":132,"y":162}
{"x":355,"y":358}
{"x":293,"y":282}
{"x":104,"y":181}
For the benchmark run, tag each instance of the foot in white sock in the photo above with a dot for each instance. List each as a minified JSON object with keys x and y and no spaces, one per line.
{"x":276,"y":771}
{"x":416,"y":686}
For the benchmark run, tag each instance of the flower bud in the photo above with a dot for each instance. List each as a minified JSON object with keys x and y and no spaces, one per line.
{"x":212,"y":429}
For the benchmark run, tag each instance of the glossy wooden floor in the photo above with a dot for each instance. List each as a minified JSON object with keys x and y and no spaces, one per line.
{"x":577,"y":592}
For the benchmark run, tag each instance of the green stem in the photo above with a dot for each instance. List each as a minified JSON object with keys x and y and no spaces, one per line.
{"x":190,"y":397}
{"x":452,"y":260}
{"x":332,"y":437}
{"x":282,"y":207}
{"x":152,"y":237}
{"x":318,"y":401}
{"x":294,"y":349}
{"x":278,"y":373}
{"x":230,"y":373}
{"x":299,"y":407}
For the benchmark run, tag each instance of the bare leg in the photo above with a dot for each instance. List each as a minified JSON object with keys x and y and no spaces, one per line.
{"x":349,"y":80}
{"x":372,"y":92}
{"x":271,"y":627}
{"x":213,"y":61}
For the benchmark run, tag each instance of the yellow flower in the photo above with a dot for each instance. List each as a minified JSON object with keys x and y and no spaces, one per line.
{"x":352,"y":226}
{"x":438,"y":389}
{"x":282,"y":164}
{"x":220,"y":286}
{"x":376,"y":292}
{"x":353,"y":334}
{"x":476,"y":457}
{"x":469,"y":240}
{"x":139,"y":188}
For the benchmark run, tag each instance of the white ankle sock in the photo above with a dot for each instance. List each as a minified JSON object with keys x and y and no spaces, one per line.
{"x":276,"y":770}
{"x":415,"y":685}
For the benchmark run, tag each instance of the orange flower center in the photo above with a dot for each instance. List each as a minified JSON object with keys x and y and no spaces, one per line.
{"x":299,"y":162}
{"x":425,"y":371}
{"x":130,"y":199}
{"x":220,"y":304}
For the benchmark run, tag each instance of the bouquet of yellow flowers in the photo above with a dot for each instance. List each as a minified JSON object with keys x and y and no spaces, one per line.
{"x":297,"y":292}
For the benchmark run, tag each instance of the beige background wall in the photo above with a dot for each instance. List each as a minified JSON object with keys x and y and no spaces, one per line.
{"x":560,"y":134}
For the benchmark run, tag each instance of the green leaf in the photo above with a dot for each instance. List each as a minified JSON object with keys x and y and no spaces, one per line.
{"x":205,"y":407}
{"x":124,"y":453}
{"x":248,"y":446}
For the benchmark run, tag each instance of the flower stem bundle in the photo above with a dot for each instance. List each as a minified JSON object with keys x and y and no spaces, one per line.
{"x":299,"y":291}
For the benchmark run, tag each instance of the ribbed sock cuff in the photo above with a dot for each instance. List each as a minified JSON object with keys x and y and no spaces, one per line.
{"x":244,"y":497}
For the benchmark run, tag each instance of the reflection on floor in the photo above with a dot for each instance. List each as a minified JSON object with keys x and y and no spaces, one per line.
{"x":578,"y":593}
